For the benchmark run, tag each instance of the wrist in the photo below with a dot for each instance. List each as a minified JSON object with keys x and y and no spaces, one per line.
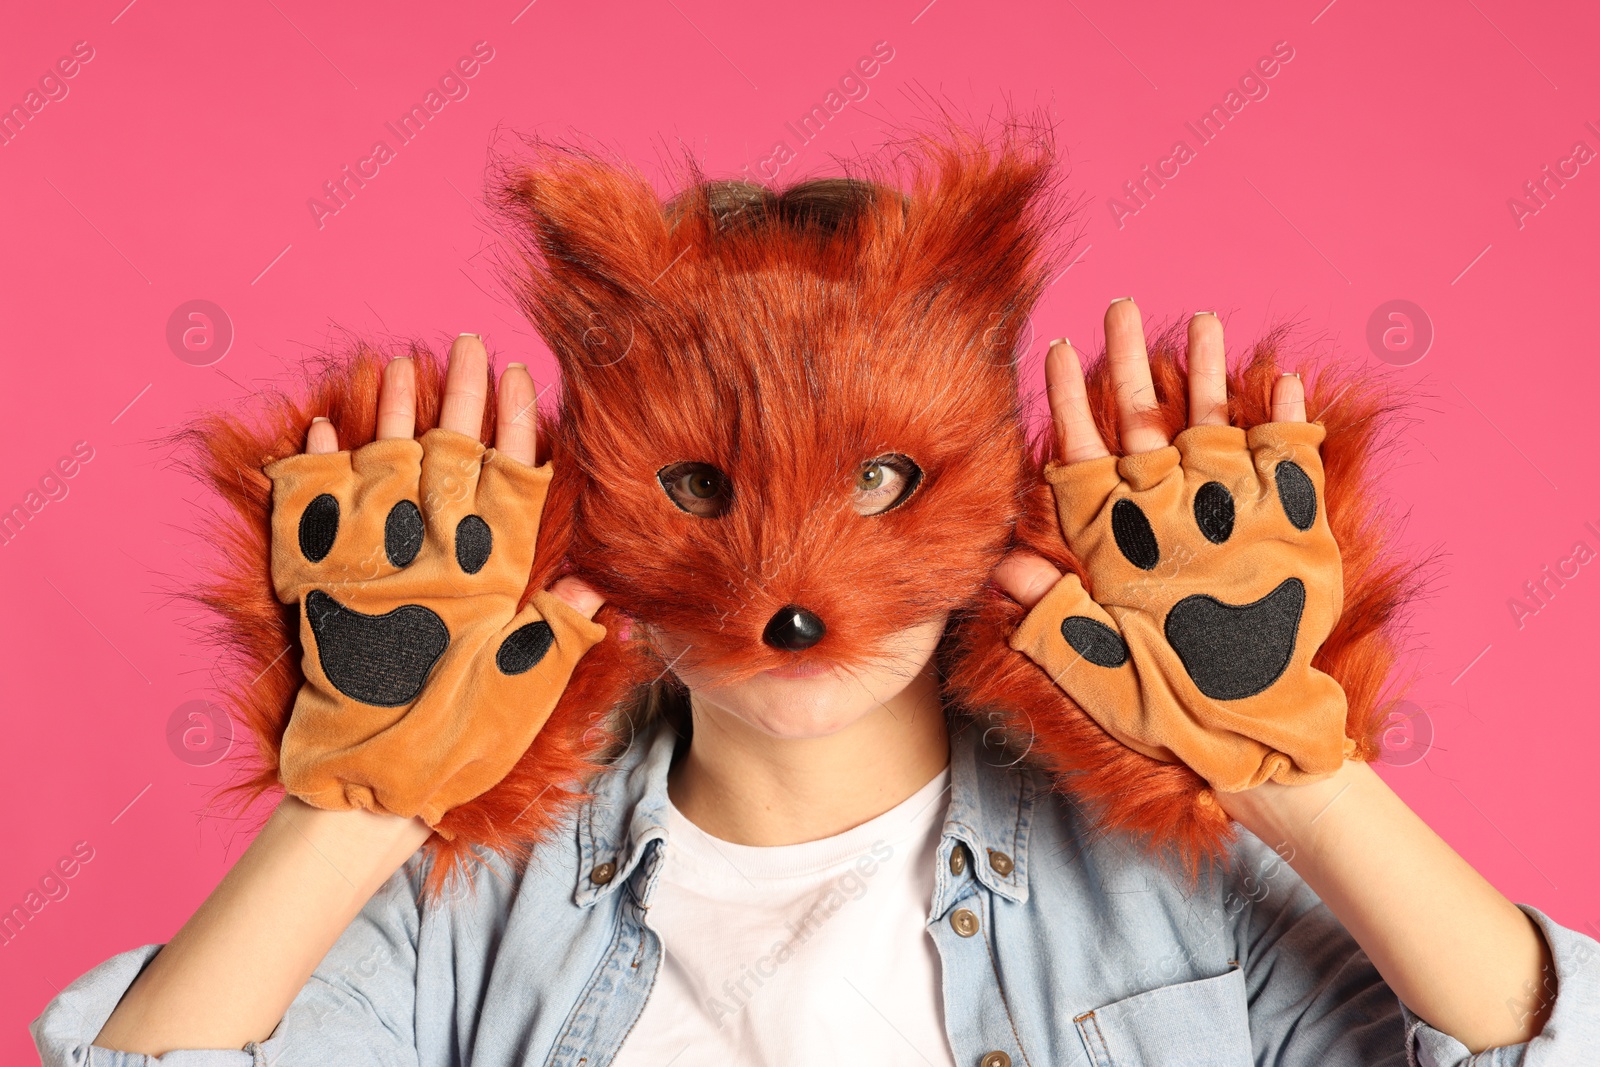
{"x":1276,"y":812}
{"x":364,"y":847}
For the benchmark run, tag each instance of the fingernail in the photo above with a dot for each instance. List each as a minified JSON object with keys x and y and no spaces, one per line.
{"x":319,"y":418}
{"x":461,"y":335}
{"x":1290,"y":374}
{"x":517,"y":366}
{"x":1120,"y":299}
{"x":1197,"y":314}
{"x":1061,"y":341}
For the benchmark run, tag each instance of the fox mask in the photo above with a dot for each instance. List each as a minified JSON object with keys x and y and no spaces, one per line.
{"x":776,"y":351}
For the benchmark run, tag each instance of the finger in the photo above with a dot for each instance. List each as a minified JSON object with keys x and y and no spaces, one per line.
{"x":1289,"y":399}
{"x":466,"y":387}
{"x":1130,"y":377}
{"x":1208,"y":372}
{"x":1077,"y":437}
{"x":321,"y":440}
{"x":515,"y":433}
{"x":1026,"y":577}
{"x":397,"y":400}
{"x":579,"y":595}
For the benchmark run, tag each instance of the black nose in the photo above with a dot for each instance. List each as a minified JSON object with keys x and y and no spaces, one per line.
{"x":793,"y":628}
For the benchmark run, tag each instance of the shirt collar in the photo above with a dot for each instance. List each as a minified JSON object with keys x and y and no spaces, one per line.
{"x":627,"y":811}
{"x":990,"y":811}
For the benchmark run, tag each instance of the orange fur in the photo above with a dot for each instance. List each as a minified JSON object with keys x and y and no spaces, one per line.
{"x":786,"y":356}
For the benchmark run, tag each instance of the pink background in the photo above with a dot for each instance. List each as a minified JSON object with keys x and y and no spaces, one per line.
{"x":180,"y":162}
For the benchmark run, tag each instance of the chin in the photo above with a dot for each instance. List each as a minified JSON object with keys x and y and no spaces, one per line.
{"x":795,"y":708}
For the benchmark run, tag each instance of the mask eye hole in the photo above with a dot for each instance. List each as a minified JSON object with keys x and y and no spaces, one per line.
{"x":884,"y":482}
{"x":698,"y":488}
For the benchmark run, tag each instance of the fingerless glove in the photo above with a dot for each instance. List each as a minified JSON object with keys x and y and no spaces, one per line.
{"x":424,"y":683}
{"x":1214,"y":579}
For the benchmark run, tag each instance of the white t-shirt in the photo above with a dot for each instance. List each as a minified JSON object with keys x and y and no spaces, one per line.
{"x":816,"y":953}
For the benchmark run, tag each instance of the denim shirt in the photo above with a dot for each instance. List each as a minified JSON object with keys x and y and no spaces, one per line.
{"x":1059,"y":944}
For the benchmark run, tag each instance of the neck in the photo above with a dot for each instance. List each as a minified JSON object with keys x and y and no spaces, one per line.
{"x":743,"y":785}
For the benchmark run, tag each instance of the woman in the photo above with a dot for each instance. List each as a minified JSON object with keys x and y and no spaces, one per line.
{"x":751,"y":881}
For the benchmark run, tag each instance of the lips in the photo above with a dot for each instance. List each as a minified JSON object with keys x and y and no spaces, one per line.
{"x":1233,"y":651}
{"x":802,"y":670}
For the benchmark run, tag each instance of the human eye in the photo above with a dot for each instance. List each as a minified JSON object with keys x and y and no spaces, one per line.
{"x":698,"y":488}
{"x":884,"y":482}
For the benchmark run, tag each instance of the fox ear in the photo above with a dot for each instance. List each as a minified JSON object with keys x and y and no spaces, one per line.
{"x":592,"y":240}
{"x":980,"y":221}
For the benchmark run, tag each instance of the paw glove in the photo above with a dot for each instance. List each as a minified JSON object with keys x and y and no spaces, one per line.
{"x":423,"y":682}
{"x":1215,"y":579}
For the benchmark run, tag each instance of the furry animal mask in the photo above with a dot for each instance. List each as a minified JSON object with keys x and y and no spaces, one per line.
{"x":774,"y":345}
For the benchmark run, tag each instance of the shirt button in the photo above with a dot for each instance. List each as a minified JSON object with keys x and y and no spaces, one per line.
{"x":958,"y":859}
{"x":964,"y":922}
{"x":995,"y":1059}
{"x":1002,"y":865}
{"x":603,"y":873}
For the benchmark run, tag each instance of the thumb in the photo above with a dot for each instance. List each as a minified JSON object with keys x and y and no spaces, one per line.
{"x":579,"y":595}
{"x":1025,"y":577}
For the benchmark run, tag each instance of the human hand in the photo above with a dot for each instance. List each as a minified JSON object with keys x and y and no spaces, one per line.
{"x":424,"y":683}
{"x":1215,"y":574}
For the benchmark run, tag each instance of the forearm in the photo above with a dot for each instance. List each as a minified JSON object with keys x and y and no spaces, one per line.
{"x":227,"y":977}
{"x":1453,"y":949}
